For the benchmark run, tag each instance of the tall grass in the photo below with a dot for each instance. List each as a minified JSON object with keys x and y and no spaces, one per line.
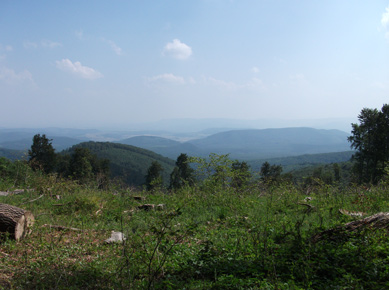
{"x":203,"y":238}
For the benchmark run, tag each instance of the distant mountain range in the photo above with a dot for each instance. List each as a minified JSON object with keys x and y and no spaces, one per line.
{"x":187,"y":125}
{"x":293,"y":148}
{"x":243,"y":144}
{"x":250,"y":144}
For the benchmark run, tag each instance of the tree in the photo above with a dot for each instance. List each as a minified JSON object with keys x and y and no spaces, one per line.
{"x":240,"y":174}
{"x":154,"y":178}
{"x":214,"y":171}
{"x":84,"y":166}
{"x":81,"y":164}
{"x":270,"y":173}
{"x":370,"y":139}
{"x":336,"y":169}
{"x":42,"y":154}
{"x":182,"y":173}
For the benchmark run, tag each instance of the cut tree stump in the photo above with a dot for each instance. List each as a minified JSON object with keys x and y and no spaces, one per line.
{"x":15,"y":221}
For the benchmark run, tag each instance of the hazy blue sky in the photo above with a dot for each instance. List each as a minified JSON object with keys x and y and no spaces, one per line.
{"x":94,"y":63}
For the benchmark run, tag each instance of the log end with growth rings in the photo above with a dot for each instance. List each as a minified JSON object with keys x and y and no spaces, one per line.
{"x":15,"y":221}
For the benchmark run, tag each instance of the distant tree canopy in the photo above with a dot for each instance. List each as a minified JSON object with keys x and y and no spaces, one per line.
{"x":42,"y":154}
{"x":370,"y":138}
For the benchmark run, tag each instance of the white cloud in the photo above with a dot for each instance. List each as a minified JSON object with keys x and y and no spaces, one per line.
{"x":255,"y":83}
{"x":171,"y":78}
{"x":6,"y":48}
{"x":385,"y":22}
{"x":79,"y":34}
{"x":78,"y":69}
{"x":177,"y":49}
{"x":13,"y":78}
{"x":114,"y":47}
{"x":29,"y":44}
{"x":380,"y":85}
{"x":50,"y":44}
{"x":252,"y":84}
{"x":42,"y":44}
{"x":385,"y":18}
{"x":298,"y":80}
{"x":255,"y":70}
{"x":223,"y":84}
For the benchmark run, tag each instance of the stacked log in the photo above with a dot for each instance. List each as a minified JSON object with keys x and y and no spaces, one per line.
{"x":15,"y":221}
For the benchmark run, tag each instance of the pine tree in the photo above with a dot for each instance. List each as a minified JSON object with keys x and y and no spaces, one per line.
{"x":182,"y":173}
{"x":154,"y":178}
{"x":42,"y":154}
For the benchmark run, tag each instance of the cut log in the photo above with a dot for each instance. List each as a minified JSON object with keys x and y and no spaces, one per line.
{"x":15,"y":221}
{"x":147,"y":206}
{"x":139,"y":197}
{"x":377,"y":221}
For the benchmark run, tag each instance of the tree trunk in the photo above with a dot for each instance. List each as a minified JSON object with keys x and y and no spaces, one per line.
{"x":15,"y":221}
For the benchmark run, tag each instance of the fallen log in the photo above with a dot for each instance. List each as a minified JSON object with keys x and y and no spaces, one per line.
{"x":61,"y":228}
{"x":15,"y":221}
{"x":148,"y":207}
{"x":376,"y":221}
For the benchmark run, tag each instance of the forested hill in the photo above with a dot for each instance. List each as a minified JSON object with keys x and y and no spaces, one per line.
{"x":267,"y":143}
{"x":12,"y":154}
{"x":59,"y":143}
{"x":302,"y":161}
{"x":127,"y":162}
{"x":250,"y":144}
{"x":164,"y":146}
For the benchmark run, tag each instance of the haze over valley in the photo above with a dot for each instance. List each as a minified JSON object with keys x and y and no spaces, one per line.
{"x":256,"y":80}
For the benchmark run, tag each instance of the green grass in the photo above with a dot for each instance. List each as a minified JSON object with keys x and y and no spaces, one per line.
{"x":214,"y":238}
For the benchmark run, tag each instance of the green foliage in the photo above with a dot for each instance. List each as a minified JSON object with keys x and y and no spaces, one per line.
{"x":84,"y":166}
{"x":241,"y":174}
{"x":370,"y":138}
{"x":270,"y":173}
{"x":182,"y":173}
{"x":293,"y":163}
{"x":262,"y":239}
{"x":214,"y":172}
{"x":11,"y":154}
{"x":13,"y":174}
{"x":42,"y":154}
{"x":127,"y":164}
{"x":154,"y":178}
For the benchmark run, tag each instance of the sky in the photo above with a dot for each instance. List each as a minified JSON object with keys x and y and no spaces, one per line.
{"x":90,"y":64}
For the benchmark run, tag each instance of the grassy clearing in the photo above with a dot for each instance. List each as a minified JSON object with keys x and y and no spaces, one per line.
{"x":211,"y":238}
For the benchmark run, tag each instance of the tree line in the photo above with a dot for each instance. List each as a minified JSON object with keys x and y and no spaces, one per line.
{"x":370,"y":139}
{"x":81,"y":165}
